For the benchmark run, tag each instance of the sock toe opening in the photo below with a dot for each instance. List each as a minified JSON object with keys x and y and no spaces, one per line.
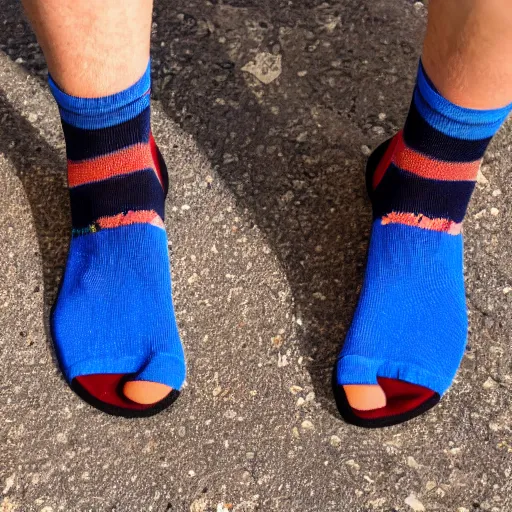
{"x":108,"y":389}
{"x":105,"y":393}
{"x":402,"y":398}
{"x":404,"y":401}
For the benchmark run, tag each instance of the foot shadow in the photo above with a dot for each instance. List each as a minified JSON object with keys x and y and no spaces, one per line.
{"x":291,"y":152}
{"x":42,"y":172}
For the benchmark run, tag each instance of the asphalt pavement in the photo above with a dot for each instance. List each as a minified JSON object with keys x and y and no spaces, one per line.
{"x":265,"y":112}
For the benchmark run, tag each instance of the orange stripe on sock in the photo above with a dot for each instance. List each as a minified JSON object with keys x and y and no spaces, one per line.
{"x":416,"y":163}
{"x":132,"y":159}
{"x":423,"y":222}
{"x":131,"y":217}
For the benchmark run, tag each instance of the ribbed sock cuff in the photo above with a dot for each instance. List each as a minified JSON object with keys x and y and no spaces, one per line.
{"x":451,"y":119}
{"x":96,"y":113}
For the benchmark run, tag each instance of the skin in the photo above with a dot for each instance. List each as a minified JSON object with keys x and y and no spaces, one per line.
{"x":466,"y":54}
{"x":467,"y":49}
{"x":94,"y":49}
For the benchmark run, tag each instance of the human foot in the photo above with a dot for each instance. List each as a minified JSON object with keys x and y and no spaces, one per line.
{"x":113,"y":323}
{"x":409,"y":331}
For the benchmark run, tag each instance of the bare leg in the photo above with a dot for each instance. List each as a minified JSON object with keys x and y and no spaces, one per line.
{"x":94,"y":49}
{"x":467,"y":51}
{"x":466,"y":54}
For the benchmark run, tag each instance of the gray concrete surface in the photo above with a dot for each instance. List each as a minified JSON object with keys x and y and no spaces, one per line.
{"x":269,"y":226}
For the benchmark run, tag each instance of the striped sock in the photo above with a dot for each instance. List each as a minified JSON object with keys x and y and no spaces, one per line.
{"x":409,"y":330}
{"x":113,"y":320}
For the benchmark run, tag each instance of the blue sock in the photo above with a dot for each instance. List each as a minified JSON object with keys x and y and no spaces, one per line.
{"x":114,"y":319}
{"x":409,"y":330}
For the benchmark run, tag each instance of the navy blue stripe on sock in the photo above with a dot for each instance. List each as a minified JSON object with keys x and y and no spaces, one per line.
{"x":140,"y":190}
{"x":402,"y":191}
{"x":82,"y":144}
{"x":424,"y":138}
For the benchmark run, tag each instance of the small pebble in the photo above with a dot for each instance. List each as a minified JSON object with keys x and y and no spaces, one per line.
{"x":277,"y":341}
{"x":193,"y":278}
{"x":335,"y":440}
{"x":430,"y":485}
{"x":378,"y":502}
{"x":480,"y":178}
{"x":489,"y":383}
{"x":353,"y":464}
{"x":307,"y":425}
{"x":494,"y":211}
{"x":411,"y":462}
{"x":266,"y":67}
{"x":414,"y":503}
{"x":9,"y":482}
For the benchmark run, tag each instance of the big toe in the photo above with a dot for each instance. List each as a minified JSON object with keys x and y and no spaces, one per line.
{"x":365,"y":397}
{"x":145,"y":392}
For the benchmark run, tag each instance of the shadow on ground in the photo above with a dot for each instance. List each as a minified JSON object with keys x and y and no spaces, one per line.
{"x":292,"y":152}
{"x":42,"y":172}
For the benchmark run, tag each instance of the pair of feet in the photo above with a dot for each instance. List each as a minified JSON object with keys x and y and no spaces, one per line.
{"x":113,"y":323}
{"x":114,"y":326}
